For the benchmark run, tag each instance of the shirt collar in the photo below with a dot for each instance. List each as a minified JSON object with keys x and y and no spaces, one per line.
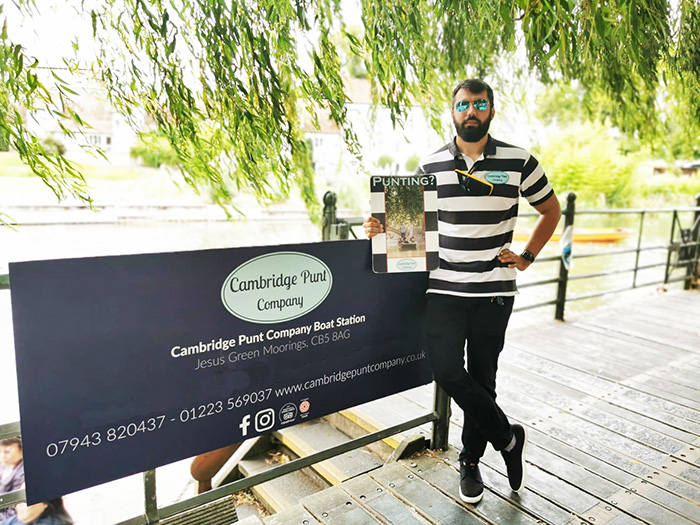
{"x":490,"y":148}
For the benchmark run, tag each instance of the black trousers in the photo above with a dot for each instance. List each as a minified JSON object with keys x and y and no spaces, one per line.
{"x":480,"y":322}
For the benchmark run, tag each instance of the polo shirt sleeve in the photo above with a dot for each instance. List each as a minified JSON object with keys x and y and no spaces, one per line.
{"x":534,"y":186}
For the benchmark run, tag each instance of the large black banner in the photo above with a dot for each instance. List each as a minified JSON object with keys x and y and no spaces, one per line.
{"x":130,"y":362}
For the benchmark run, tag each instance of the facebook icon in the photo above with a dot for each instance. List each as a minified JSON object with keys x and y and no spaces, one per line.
{"x":244,"y":425}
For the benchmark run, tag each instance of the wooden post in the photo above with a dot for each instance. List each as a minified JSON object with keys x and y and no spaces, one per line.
{"x":569,"y":213}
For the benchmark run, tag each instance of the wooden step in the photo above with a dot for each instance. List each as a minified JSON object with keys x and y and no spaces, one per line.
{"x":282,"y":493}
{"x":297,"y":515}
{"x":307,"y":438}
{"x":334,"y":506}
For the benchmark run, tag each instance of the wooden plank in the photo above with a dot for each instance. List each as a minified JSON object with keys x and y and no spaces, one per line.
{"x":685,"y":430}
{"x":562,"y":397}
{"x":667,"y":507}
{"x":494,"y":506}
{"x":335,"y":506}
{"x":381,"y":502}
{"x":522,"y":382}
{"x":658,"y":507}
{"x":640,"y":330}
{"x":431,"y":503}
{"x":284,"y":492}
{"x":610,"y":353}
{"x":307,"y":438}
{"x":296,"y":515}
{"x":669,"y":475}
{"x":542,"y":491}
{"x":658,"y":322}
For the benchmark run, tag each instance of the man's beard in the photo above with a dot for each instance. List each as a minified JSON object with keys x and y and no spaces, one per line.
{"x":473,"y":133}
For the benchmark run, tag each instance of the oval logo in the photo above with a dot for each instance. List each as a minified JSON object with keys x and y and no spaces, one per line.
{"x":276,"y":287}
{"x":406,"y":264}
{"x":497,"y":177}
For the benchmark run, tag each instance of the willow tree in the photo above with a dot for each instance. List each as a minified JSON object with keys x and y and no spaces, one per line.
{"x":229,"y":82}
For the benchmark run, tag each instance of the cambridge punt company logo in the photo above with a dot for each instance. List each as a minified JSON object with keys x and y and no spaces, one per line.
{"x":276,"y":287}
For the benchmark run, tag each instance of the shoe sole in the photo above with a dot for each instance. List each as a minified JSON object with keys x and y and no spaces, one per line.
{"x":473,"y":499}
{"x":522,"y":458}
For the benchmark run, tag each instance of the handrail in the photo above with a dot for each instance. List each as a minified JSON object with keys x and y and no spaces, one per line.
{"x":281,"y":470}
{"x":691,"y":245}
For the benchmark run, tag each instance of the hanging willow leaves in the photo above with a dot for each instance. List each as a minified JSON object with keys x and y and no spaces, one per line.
{"x":230,"y":83}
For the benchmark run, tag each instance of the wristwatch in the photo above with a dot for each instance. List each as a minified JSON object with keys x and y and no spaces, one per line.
{"x":527,"y":255}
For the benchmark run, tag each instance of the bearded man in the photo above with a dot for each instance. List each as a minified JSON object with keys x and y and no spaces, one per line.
{"x":470,"y":295}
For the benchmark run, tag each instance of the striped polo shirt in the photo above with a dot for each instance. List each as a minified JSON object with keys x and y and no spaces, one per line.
{"x":474,"y":229}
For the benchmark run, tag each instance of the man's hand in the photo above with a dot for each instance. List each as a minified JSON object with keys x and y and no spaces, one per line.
{"x":372,"y":227}
{"x":513,"y":260}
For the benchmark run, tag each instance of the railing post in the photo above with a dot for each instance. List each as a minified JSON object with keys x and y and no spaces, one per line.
{"x":150,"y":497}
{"x":329,"y":214}
{"x":639,"y":248}
{"x":333,"y":229}
{"x":693,"y":270}
{"x":441,"y":425}
{"x":671,"y":247}
{"x":569,"y":213}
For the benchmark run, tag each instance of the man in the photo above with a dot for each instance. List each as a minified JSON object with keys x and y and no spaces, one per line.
{"x":470,"y":295}
{"x":13,"y":476}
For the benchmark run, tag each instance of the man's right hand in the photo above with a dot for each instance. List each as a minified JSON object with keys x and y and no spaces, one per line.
{"x":372,"y":227}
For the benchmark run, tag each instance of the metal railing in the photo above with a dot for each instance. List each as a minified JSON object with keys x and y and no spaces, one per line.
{"x":686,"y":248}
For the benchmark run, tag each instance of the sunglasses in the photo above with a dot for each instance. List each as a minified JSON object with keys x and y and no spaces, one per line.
{"x":474,"y":186}
{"x":479,"y":105}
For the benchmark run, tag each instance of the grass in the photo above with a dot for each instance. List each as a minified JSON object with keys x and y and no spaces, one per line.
{"x":12,"y":166}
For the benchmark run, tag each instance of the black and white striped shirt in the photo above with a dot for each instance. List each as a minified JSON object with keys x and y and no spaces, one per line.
{"x":474,"y":229}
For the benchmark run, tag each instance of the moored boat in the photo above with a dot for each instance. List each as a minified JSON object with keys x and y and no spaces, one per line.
{"x":583,"y":234}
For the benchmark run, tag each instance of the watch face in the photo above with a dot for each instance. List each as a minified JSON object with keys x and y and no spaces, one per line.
{"x":527,"y":255}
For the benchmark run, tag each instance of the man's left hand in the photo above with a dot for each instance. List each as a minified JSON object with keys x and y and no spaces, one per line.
{"x":513,"y":260}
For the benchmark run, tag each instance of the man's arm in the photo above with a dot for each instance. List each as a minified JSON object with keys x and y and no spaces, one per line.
{"x":550,"y":212}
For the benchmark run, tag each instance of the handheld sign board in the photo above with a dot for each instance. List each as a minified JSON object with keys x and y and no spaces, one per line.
{"x":407,"y":209}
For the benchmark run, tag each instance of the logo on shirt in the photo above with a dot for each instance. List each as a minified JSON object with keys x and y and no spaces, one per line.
{"x":497,"y":177}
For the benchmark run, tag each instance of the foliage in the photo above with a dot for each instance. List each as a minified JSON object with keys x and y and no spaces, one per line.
{"x":412,"y":163}
{"x":677,"y":135}
{"x":404,"y":205}
{"x":228,"y":82}
{"x":154,"y":151}
{"x":385,"y":161}
{"x":54,"y":146}
{"x":586,"y":159}
{"x":351,"y":62}
{"x":21,"y":88}
{"x":671,"y":190}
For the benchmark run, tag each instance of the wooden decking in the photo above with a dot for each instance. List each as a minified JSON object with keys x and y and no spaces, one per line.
{"x":612,"y":405}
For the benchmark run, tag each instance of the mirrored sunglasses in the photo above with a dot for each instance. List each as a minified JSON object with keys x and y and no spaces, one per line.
{"x":479,"y":105}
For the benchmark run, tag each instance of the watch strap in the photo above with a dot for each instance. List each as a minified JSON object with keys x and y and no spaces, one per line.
{"x":528,"y":256}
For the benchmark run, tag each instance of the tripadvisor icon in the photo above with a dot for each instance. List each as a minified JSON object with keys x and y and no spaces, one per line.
{"x":276,"y":287}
